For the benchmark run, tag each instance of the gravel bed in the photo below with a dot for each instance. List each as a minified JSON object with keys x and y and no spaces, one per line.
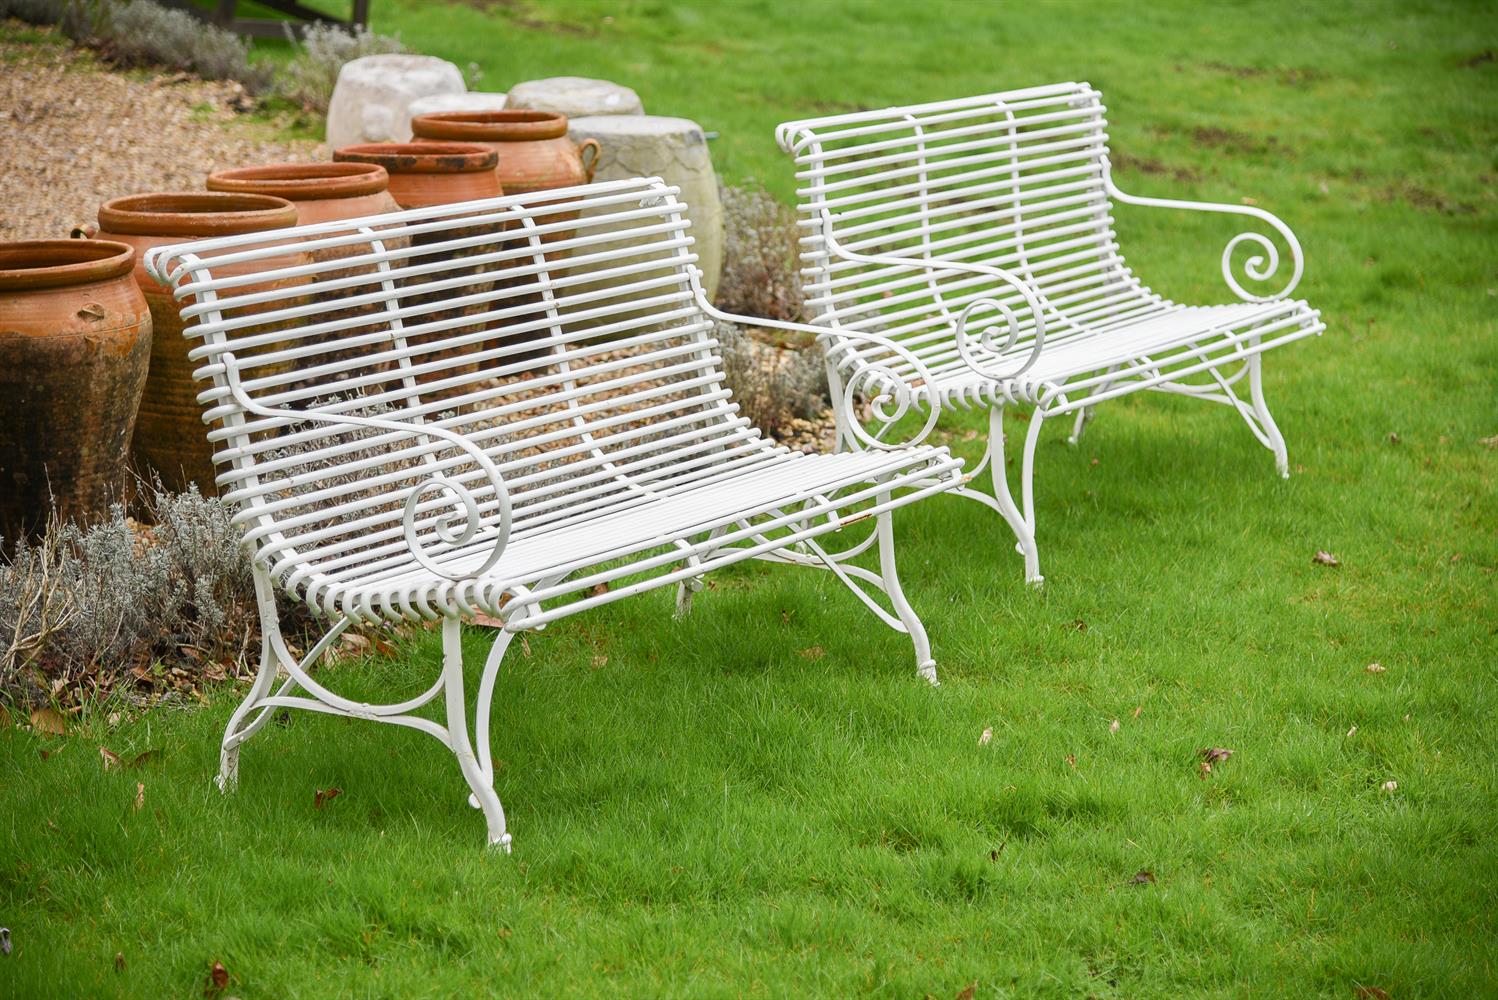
{"x":74,"y":134}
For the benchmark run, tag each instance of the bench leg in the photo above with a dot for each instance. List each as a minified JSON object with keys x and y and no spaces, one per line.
{"x":924,"y":664}
{"x":1022,"y":521}
{"x":479,"y":773}
{"x":1266,"y":422}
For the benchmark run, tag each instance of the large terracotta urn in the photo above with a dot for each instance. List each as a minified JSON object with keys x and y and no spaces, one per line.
{"x":170,"y":437}
{"x":321,"y":192}
{"x":75,"y":344}
{"x":423,"y":175}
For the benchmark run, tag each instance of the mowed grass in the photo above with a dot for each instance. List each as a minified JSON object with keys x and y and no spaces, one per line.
{"x":762,"y":798}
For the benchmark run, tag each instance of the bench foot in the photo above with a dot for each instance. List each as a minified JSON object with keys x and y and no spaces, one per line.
{"x":477,"y":765}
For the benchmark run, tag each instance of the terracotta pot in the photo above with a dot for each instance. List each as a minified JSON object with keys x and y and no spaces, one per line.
{"x":534,"y":151}
{"x":321,"y":192}
{"x":75,"y":345}
{"x":170,"y":437}
{"x":327,"y":192}
{"x":441,"y":173}
{"x":425,"y":174}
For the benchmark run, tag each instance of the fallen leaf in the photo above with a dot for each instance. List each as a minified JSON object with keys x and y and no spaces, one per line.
{"x":1370,"y":993}
{"x":1094,"y":461}
{"x":599,"y":589}
{"x":218,"y":979}
{"x":119,"y":961}
{"x":600,"y":661}
{"x":48,"y":720}
{"x":993,"y":855}
{"x":1324,"y":558}
{"x":1389,"y":787}
{"x":355,"y":644}
{"x":1138,"y":710}
{"x":969,"y":991}
{"x":1113,"y":726}
{"x":1071,"y":759}
{"x":1353,"y":731}
{"x":985,"y":736}
{"x":505,"y":932}
{"x":324,"y":796}
{"x":1203,"y":769}
{"x":1077,"y":624}
{"x":813,"y":652}
{"x":140,"y":795}
{"x":1215,"y":755}
{"x":1489,"y":442}
{"x":144,"y":757}
{"x":1374,"y":668}
{"x":1143,"y":877}
{"x":1393,"y":437}
{"x":110,"y":758}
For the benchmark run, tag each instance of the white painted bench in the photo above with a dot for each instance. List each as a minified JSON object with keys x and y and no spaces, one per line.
{"x":444,"y":413}
{"x":978,"y":234}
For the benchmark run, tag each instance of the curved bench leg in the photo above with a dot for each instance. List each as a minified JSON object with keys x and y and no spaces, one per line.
{"x":924,"y":664}
{"x":1022,"y":522}
{"x":480,"y":782}
{"x":1266,"y":422}
{"x":1084,"y":417}
{"x":238,"y":731}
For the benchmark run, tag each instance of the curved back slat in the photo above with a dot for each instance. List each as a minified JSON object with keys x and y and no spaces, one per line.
{"x":556,"y":331}
{"x":1011,"y":180}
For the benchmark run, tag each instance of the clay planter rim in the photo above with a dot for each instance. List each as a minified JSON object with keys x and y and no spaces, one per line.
{"x":422,"y":157}
{"x":303,"y":181}
{"x":490,"y":126}
{"x":26,"y":265}
{"x":195,"y":214}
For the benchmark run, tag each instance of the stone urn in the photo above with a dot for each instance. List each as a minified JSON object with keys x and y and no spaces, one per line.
{"x":534,"y":151}
{"x":75,"y":346}
{"x":170,"y":437}
{"x":675,"y":150}
{"x":575,"y":97}
{"x":422,"y":175}
{"x":372,"y":99}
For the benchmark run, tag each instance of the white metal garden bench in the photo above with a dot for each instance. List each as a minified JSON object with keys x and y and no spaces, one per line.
{"x":499,"y":408}
{"x":978,"y":234}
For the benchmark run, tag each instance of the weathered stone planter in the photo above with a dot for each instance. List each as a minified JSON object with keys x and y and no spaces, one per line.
{"x":675,"y":150}
{"x":75,"y":344}
{"x":575,"y":97}
{"x":169,"y":438}
{"x":371,"y":101}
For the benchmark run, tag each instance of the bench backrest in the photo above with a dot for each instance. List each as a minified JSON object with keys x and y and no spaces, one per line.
{"x":1013,"y":180}
{"x":570,"y":349}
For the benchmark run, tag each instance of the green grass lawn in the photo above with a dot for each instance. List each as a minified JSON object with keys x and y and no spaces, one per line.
{"x":762,"y":798}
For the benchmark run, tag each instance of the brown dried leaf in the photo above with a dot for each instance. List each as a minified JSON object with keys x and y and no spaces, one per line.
{"x":1370,"y":993}
{"x":218,"y":979}
{"x":1077,"y":625}
{"x":601,"y":660}
{"x":1489,"y":442}
{"x":813,"y":653}
{"x":140,"y":795}
{"x":1113,"y":726}
{"x":324,"y":796}
{"x":119,"y":961}
{"x":48,"y":720}
{"x":1203,"y":769}
{"x":1374,"y":668}
{"x":144,"y":757}
{"x":1324,"y":558}
{"x":1143,"y":877}
{"x":985,"y":736}
{"x":487,"y":621}
{"x":1215,"y":755}
{"x":969,"y":991}
{"x":110,"y":758}
{"x":1138,"y":710}
{"x":1071,"y":760}
{"x":599,"y":589}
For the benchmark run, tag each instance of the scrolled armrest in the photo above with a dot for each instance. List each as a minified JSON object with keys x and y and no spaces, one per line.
{"x":1260,"y":267}
{"x":1034,"y":300}
{"x":890,"y":394}
{"x":462,"y":497}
